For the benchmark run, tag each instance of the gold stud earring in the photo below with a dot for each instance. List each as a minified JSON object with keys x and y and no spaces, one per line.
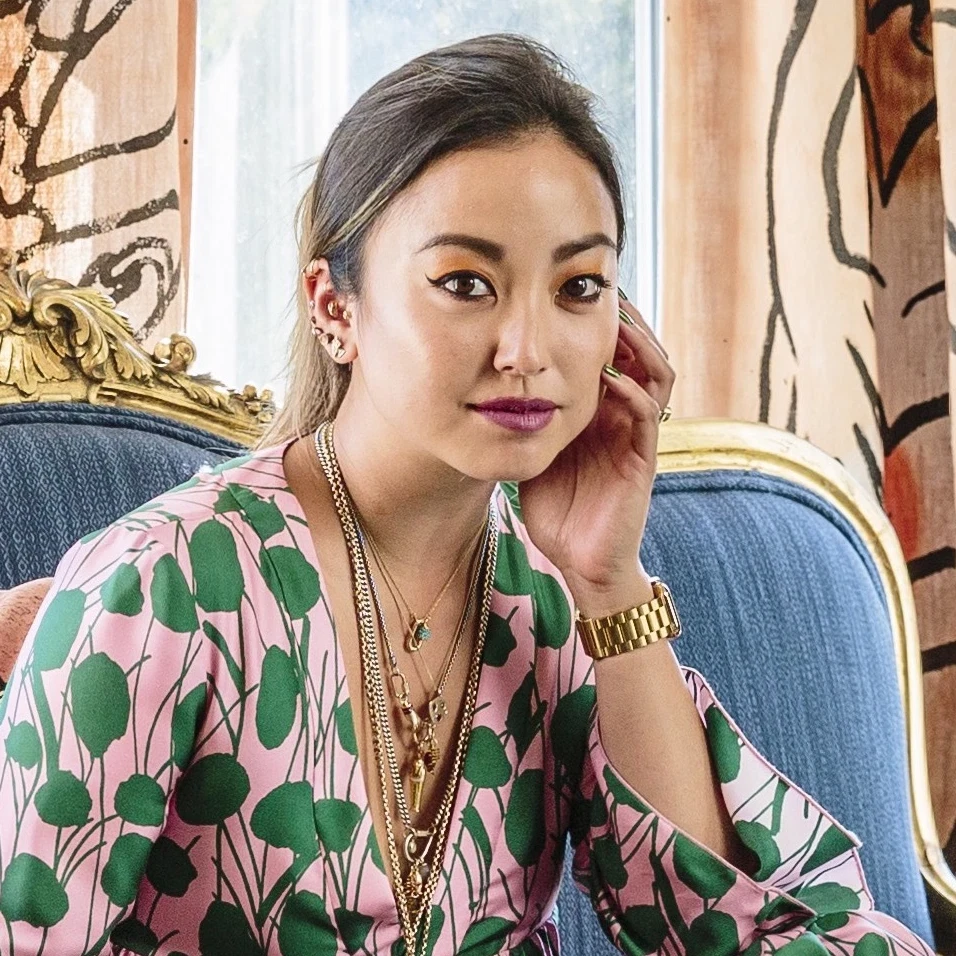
{"x":339,"y":348}
{"x":333,"y":309}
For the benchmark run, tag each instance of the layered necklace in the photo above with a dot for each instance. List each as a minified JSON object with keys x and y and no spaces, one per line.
{"x":415,"y":859}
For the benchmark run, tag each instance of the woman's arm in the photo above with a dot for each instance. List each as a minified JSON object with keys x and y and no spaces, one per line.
{"x":653,"y":734}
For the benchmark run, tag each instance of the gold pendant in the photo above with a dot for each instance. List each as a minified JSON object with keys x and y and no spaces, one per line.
{"x":437,"y":709}
{"x":418,"y":633}
{"x":418,"y":784}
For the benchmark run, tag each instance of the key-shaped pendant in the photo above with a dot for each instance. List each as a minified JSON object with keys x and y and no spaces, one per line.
{"x":418,"y":784}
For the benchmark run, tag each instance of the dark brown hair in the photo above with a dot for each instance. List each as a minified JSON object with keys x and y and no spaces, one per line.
{"x":487,"y":91}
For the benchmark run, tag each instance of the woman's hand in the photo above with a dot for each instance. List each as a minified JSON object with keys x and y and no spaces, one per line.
{"x":587,"y":511}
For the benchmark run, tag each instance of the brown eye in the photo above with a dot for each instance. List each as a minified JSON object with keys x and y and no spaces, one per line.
{"x":463,"y":285}
{"x":586,"y":288}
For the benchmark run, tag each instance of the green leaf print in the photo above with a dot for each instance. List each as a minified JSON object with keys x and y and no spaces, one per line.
{"x":122,"y":592}
{"x":335,"y":823}
{"x":712,"y":934}
{"x":169,"y":868}
{"x":521,"y":723}
{"x":828,"y":898}
{"x":63,"y":801}
{"x":473,"y":824}
{"x":23,"y":745}
{"x":187,"y":716}
{"x":552,"y":614}
{"x":141,"y":800}
{"x":807,"y":944}
{"x":172,"y":601}
{"x":30,"y":892}
{"x":374,"y":852}
{"x":871,"y":944}
{"x":510,"y":488}
{"x":276,"y":701}
{"x":513,"y":574}
{"x":623,"y":794}
{"x":121,"y":875}
{"x":434,"y":931}
{"x":832,"y":844}
{"x":569,"y":727}
{"x":725,"y":745}
{"x":486,"y":763}
{"x":132,"y":935}
{"x":758,"y":838}
{"x":101,"y":704}
{"x":606,"y":854}
{"x":353,"y":927}
{"x":345,"y":727}
{"x":58,"y":630}
{"x":216,"y":569}
{"x":222,"y":645}
{"x":499,"y":642}
{"x":486,"y":937}
{"x":291,"y":579}
{"x":283,"y":818}
{"x":224,"y":931}
{"x":211,"y":790}
{"x":707,"y":875}
{"x":305,"y":928}
{"x":829,"y":922}
{"x":644,"y":930}
{"x":524,"y":819}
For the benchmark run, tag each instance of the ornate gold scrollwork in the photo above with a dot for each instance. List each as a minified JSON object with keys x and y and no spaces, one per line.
{"x":63,"y":343}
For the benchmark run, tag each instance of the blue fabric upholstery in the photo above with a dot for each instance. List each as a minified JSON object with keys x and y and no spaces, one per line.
{"x":67,"y":469}
{"x":782,"y":608}
{"x":784,"y":614}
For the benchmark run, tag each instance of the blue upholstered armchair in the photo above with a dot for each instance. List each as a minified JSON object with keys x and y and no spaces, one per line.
{"x":790,"y":582}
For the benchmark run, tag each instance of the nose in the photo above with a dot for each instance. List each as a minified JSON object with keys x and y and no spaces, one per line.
{"x":522,"y":349}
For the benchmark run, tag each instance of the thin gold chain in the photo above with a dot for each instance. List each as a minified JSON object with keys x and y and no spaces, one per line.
{"x":416,"y":622}
{"x":383,"y":744}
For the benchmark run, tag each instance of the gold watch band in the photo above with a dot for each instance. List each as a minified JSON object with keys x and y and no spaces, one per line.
{"x":638,"y":626}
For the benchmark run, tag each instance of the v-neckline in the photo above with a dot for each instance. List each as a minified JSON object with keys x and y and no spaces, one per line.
{"x":292,"y":507}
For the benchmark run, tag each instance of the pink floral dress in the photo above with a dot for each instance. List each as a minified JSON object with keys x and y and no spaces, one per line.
{"x":179,"y":771}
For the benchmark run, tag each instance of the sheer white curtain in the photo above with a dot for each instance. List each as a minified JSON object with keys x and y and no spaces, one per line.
{"x":275,"y":77}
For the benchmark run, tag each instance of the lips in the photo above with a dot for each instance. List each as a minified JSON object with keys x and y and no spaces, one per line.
{"x":517,"y":406}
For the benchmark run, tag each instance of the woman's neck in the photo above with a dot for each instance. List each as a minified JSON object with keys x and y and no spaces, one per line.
{"x":421,"y":513}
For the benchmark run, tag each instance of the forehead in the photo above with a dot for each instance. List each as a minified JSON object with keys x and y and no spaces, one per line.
{"x":538,"y":188}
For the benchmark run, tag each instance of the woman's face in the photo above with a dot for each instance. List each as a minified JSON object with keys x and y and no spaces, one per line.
{"x":493,"y":277}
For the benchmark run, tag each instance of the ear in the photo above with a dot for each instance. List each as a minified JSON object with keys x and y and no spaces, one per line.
{"x":321,"y":301}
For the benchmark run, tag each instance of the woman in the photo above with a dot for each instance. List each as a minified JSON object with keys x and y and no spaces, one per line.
{"x":330,"y":695}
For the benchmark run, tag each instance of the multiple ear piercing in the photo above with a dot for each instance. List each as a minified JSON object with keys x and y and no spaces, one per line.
{"x":331,"y":342}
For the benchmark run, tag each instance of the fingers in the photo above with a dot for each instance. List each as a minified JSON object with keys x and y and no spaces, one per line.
{"x":641,"y":357}
{"x":643,"y":404}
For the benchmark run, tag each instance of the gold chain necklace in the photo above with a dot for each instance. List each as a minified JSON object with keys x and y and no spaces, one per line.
{"x":417,"y":842}
{"x":423,"y":730}
{"x":418,"y":630}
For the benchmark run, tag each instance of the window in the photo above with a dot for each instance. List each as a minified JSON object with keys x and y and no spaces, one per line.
{"x":275,"y":77}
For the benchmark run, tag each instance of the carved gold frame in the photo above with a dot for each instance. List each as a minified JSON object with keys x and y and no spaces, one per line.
{"x":62,"y":343}
{"x":702,"y":444}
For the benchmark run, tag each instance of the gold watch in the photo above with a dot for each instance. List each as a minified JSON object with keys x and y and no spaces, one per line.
{"x":636,"y":627}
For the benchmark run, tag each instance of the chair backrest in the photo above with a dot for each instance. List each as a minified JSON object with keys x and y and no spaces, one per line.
{"x":796,"y":606}
{"x":68,"y":468}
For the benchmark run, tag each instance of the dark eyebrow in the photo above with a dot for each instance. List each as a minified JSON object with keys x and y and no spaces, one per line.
{"x":495,"y":253}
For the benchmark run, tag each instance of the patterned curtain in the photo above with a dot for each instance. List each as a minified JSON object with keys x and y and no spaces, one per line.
{"x":91,"y":153}
{"x":808,"y":214}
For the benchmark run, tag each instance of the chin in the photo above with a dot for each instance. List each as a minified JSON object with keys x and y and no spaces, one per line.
{"x":511,"y":464}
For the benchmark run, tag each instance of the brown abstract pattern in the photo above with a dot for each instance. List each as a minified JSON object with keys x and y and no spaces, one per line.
{"x":90,"y":152}
{"x":808,"y":233}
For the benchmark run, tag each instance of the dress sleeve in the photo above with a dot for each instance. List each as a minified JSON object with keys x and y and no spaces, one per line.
{"x":98,"y":721}
{"x":657,"y":890}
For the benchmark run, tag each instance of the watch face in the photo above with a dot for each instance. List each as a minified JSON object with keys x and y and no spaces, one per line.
{"x":668,"y":600}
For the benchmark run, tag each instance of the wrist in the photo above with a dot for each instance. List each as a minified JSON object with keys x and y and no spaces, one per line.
{"x":606,"y":598}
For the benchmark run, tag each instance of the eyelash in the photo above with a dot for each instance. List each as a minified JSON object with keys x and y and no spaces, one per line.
{"x":597,"y":277}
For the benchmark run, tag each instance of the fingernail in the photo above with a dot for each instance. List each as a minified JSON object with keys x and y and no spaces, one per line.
{"x":612,"y":371}
{"x":625,"y":318}
{"x":620,"y":292}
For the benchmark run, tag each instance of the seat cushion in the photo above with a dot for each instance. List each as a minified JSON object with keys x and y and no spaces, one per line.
{"x":68,"y":469}
{"x":784,"y":613}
